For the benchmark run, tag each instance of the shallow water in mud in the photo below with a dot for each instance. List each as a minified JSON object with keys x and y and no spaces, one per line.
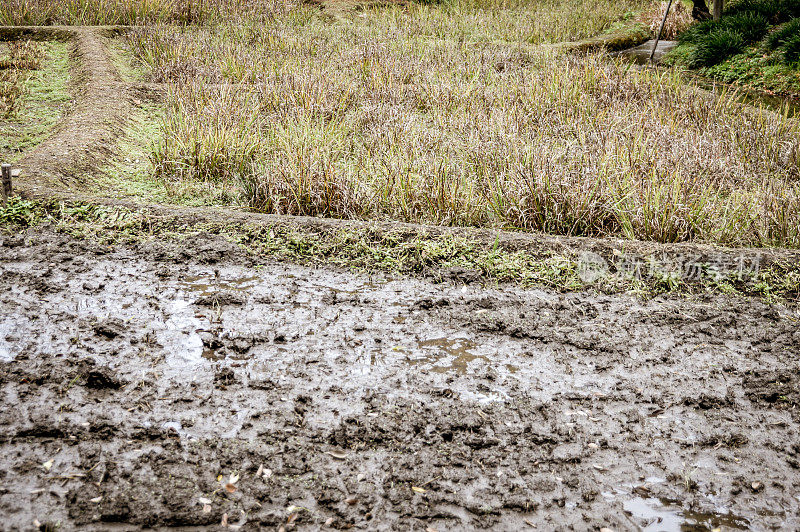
{"x":181,"y":384}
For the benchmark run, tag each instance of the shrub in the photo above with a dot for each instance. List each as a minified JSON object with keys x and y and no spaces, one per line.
{"x":716,"y":47}
{"x":697,"y":32}
{"x":783,"y":34}
{"x":752,"y":26}
{"x":776,"y":11}
{"x":789,"y":9}
{"x":791,"y":50}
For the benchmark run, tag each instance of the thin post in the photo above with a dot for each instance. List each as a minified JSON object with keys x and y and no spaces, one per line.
{"x":718,"y":9}
{"x":660,"y":31}
{"x":6,"y":171}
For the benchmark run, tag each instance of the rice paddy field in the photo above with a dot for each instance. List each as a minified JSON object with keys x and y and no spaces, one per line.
{"x":461,"y":112}
{"x":212,"y":315}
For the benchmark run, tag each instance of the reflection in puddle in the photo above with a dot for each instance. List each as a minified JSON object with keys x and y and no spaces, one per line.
{"x":6,"y":328}
{"x":183,"y":345}
{"x":664,"y":516}
{"x":5,"y":352}
{"x":495,"y":396}
{"x":438,"y":348}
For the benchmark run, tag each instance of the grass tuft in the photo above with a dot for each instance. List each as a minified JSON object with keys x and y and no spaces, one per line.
{"x":715,"y":47}
{"x":791,"y":50}
{"x":779,"y":37}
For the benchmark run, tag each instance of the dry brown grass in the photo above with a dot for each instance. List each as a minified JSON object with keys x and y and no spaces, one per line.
{"x":126,"y":12}
{"x":17,"y":59}
{"x":446,"y":114}
{"x":678,"y":20}
{"x":375,"y":119}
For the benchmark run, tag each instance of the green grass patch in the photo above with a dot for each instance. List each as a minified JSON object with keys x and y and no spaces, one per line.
{"x":129,"y":68}
{"x":43,"y":102}
{"x":756,"y":44}
{"x":754,"y":69}
{"x":132,"y":173}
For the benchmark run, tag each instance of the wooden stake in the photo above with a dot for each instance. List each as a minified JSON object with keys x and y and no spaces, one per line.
{"x":660,"y":31}
{"x":7,"y":190}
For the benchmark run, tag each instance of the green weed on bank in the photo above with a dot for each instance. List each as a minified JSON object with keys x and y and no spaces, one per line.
{"x":39,"y":94}
{"x":756,"y":43}
{"x":400,"y":251}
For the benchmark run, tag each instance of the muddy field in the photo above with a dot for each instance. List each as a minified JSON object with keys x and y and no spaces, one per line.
{"x":184,"y":385}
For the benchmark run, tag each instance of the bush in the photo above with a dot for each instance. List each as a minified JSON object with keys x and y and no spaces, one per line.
{"x":791,"y":50}
{"x":716,"y":47}
{"x":775,"y":11}
{"x":783,"y":34}
{"x":749,"y":25}
{"x":752,"y":26}
{"x":789,"y":9}
{"x":697,"y":32}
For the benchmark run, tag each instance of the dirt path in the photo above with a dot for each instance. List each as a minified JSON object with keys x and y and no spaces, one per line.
{"x":67,"y":159}
{"x":178,"y":385}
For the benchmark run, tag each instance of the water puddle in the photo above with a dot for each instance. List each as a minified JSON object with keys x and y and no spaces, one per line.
{"x":437,"y":349}
{"x":663,"y":515}
{"x":7,"y":327}
{"x":495,"y":396}
{"x":5,"y":352}
{"x":641,"y":54}
{"x":179,"y":336}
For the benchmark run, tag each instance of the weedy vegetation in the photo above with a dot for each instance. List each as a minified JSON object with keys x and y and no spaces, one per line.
{"x":17,"y":60}
{"x":400,"y":250}
{"x":109,"y":12}
{"x":457,"y":112}
{"x":396,"y":114}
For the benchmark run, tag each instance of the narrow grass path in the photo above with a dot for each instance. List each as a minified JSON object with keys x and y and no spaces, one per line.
{"x":90,"y":129}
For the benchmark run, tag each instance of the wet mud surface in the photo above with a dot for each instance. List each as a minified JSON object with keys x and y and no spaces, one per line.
{"x":183,"y":385}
